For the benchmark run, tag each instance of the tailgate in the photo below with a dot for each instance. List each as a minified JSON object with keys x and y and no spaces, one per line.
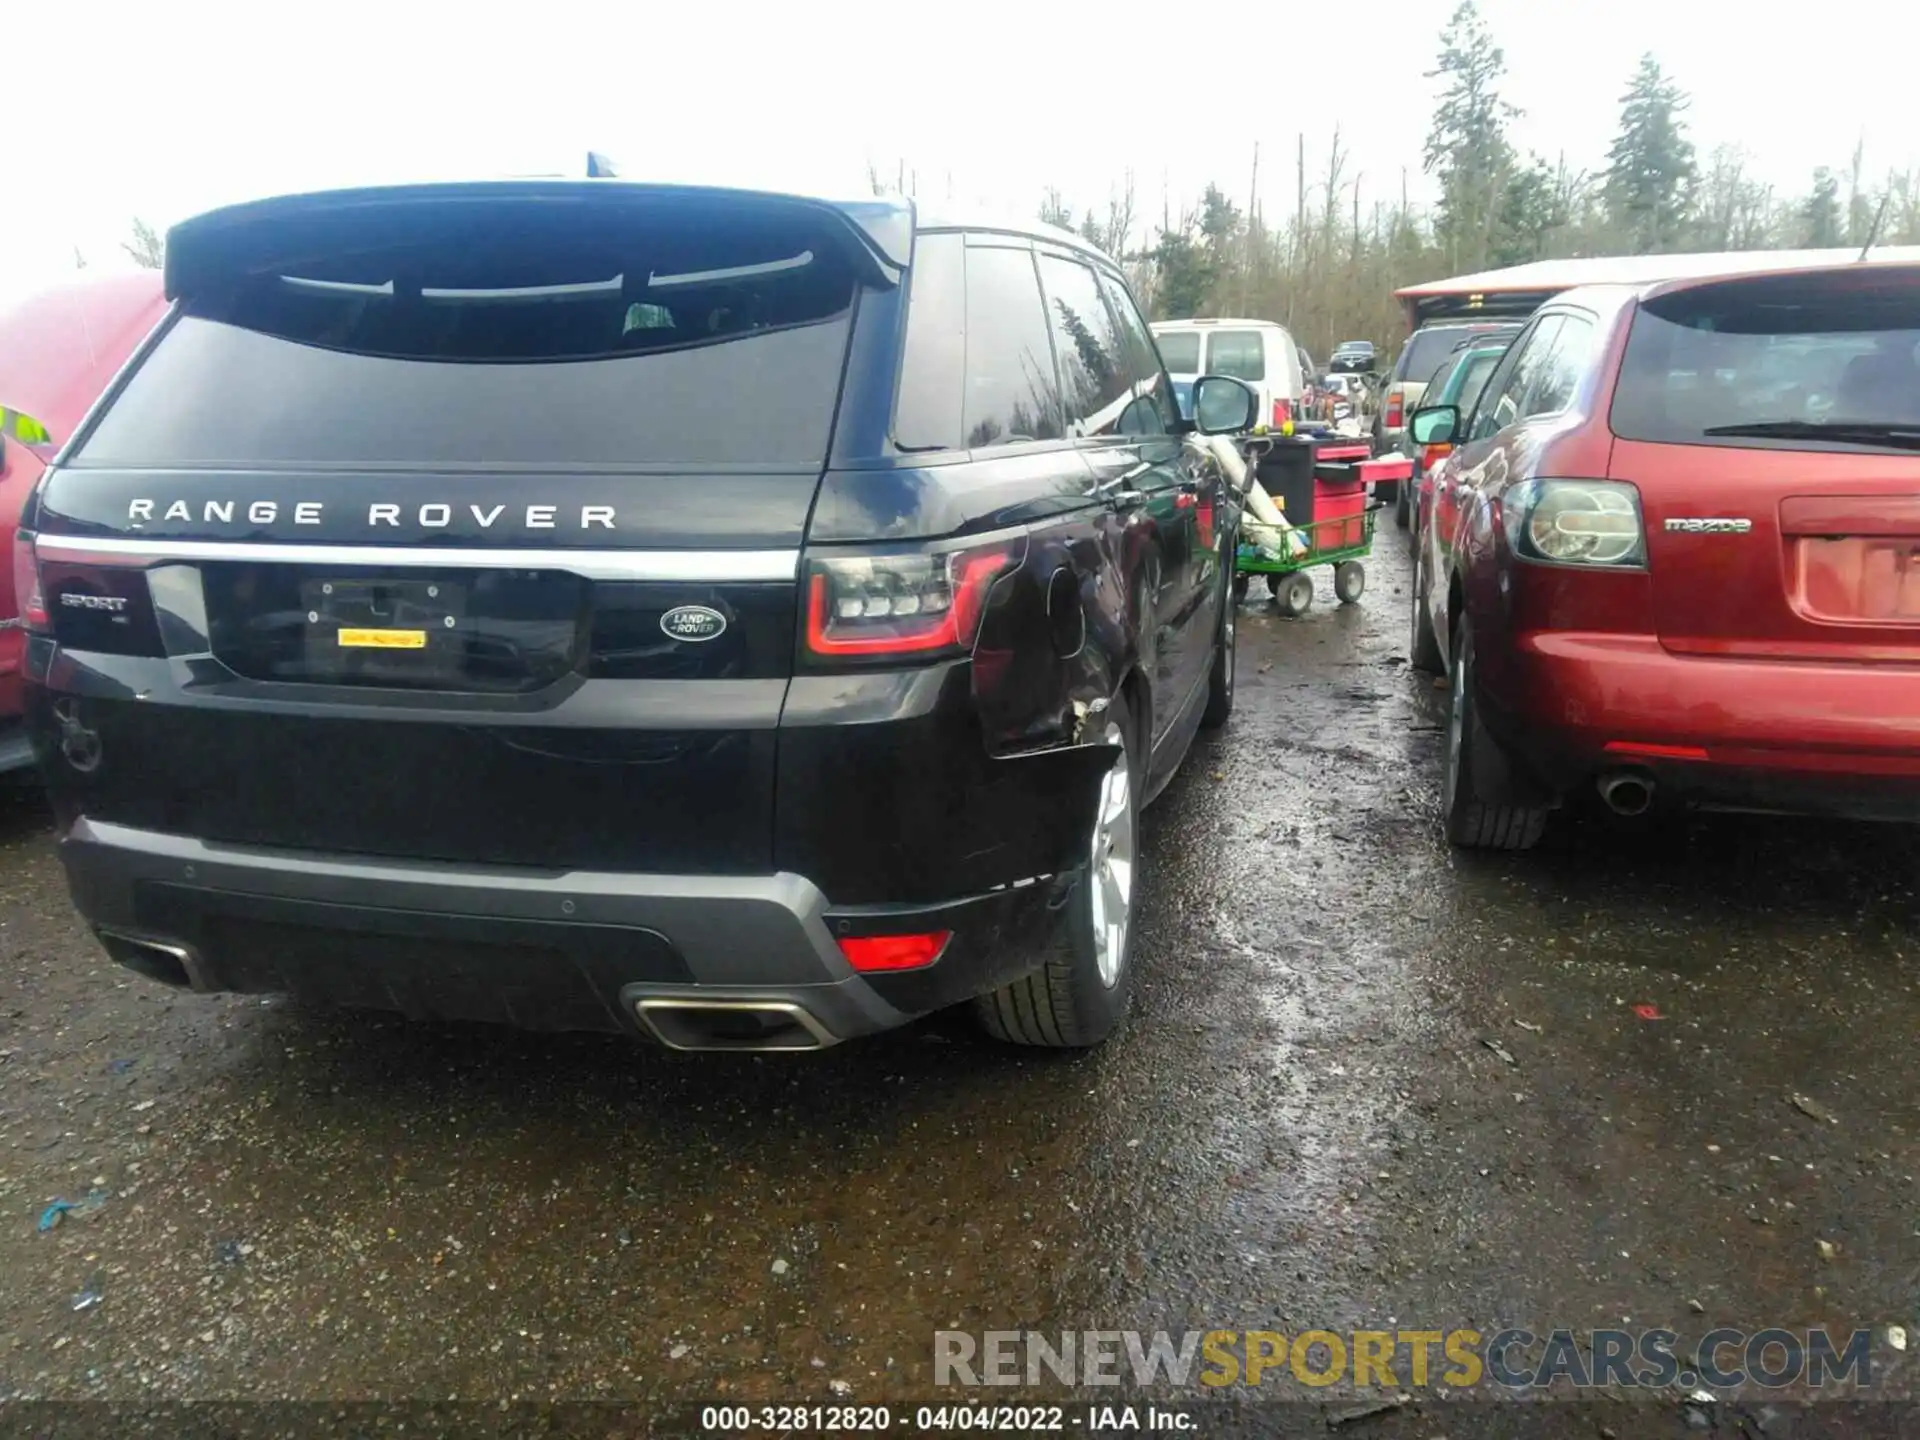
{"x":472,"y":550}
{"x":1788,"y":554}
{"x":1770,"y":424}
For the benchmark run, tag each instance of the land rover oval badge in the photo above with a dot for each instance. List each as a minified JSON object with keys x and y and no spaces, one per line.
{"x":693,"y":622}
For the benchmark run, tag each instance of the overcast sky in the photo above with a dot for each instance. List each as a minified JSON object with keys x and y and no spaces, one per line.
{"x":163,"y":110}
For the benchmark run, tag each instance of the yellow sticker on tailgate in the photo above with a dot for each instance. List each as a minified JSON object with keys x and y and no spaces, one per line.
{"x":384,"y":639}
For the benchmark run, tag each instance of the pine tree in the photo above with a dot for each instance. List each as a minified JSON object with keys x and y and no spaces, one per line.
{"x":1219,"y":224}
{"x":1532,"y":207}
{"x":146,"y":248}
{"x":1650,"y":169}
{"x":1467,"y":146}
{"x":1183,"y":276}
{"x":1820,"y":219}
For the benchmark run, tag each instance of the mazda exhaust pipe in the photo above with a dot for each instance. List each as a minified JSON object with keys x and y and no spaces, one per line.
{"x":1627,"y":792}
{"x":691,"y":1023}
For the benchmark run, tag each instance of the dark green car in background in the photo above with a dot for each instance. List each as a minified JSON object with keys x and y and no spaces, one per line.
{"x":1457,"y":382}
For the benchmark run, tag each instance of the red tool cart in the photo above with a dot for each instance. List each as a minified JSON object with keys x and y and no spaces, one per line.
{"x":1321,"y":487}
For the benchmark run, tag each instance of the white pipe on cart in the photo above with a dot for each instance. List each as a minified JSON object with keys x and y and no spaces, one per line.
{"x":1263,"y":508}
{"x":1270,"y":530}
{"x":1230,"y":458}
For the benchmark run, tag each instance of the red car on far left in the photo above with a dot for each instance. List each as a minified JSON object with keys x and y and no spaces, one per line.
{"x":58,"y":352}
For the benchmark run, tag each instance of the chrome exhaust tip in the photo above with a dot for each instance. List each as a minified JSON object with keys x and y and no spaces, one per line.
{"x":1627,"y":792}
{"x":169,"y":964}
{"x":752,"y":1025}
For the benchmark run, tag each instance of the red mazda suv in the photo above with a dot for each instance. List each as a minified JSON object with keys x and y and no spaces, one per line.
{"x":58,"y":350}
{"x":1676,"y":553}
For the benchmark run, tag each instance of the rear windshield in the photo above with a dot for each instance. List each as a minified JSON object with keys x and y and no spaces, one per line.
{"x":1239,"y":353}
{"x":1787,"y":353}
{"x":1428,"y":349}
{"x":1181,"y":352}
{"x":567,"y":340}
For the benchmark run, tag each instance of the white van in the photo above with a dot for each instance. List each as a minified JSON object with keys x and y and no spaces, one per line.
{"x":1257,"y":351}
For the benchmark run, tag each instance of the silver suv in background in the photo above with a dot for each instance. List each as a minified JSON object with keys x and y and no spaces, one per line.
{"x":1426,"y":350}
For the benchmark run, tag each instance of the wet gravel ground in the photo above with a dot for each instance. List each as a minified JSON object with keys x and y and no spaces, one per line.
{"x":1367,"y":1083}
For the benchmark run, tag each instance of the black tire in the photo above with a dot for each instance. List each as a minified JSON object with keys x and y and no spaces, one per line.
{"x":1403,"y":506}
{"x":1349,"y":581}
{"x":1423,"y":647}
{"x":1220,"y":679}
{"x":1273,"y":584}
{"x":1472,"y":824}
{"x":1294,"y":594}
{"x":1066,"y":1003}
{"x":1239,"y":588}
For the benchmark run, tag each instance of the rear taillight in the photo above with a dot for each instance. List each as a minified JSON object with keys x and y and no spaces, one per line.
{"x":100,"y":603}
{"x":868,"y":953}
{"x":903,"y":606}
{"x":27,"y":593}
{"x":1395,"y":404}
{"x":1575,"y":522}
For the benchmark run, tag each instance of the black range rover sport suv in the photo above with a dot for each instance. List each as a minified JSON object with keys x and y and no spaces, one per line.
{"x":732,"y":618}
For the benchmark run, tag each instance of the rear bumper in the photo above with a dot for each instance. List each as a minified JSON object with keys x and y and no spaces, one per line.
{"x":540,"y":949}
{"x":1841,"y":739}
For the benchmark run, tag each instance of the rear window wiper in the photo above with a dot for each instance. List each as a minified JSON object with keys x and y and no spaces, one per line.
{"x":1899,"y":435}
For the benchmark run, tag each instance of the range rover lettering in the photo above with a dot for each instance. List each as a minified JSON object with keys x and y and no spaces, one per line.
{"x":736,"y":619}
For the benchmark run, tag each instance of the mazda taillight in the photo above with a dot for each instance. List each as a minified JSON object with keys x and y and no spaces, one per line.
{"x":27,"y":593}
{"x":1575,"y":522}
{"x":1395,"y":405}
{"x":917,"y":606}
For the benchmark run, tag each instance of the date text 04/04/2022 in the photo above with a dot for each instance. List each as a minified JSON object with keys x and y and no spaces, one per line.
{"x":1014,"y":1419}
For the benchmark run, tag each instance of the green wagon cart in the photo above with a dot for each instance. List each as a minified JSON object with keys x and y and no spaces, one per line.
{"x":1323,"y":491}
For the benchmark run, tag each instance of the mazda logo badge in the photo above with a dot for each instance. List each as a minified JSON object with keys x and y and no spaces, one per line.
{"x":693,"y":622}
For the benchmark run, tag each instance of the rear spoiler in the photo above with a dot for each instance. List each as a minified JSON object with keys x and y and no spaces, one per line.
{"x":274,"y":235}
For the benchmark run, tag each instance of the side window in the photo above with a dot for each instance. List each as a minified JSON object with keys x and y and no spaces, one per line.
{"x":1012,"y":392}
{"x":1239,"y":353}
{"x":1094,"y":374}
{"x":1181,"y":350}
{"x":1474,"y":382}
{"x":926,"y":412}
{"x":1500,"y":403}
{"x":1558,"y":377}
{"x":1152,"y":410}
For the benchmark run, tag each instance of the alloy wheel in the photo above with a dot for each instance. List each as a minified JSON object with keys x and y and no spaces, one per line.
{"x":1110,"y":876}
{"x":1226,"y":639}
{"x":1456,"y":730}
